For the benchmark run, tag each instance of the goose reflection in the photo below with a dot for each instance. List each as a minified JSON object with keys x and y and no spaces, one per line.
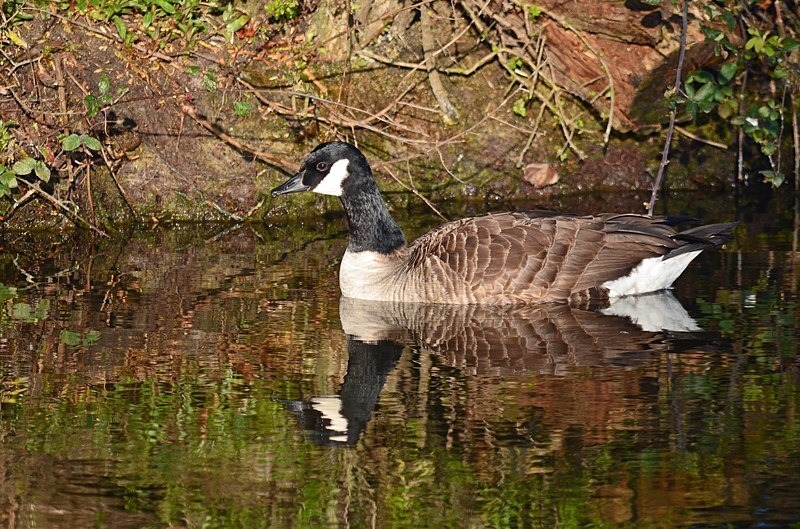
{"x":485,"y":341}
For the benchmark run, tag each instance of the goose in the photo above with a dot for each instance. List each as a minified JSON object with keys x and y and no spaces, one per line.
{"x":509,"y":258}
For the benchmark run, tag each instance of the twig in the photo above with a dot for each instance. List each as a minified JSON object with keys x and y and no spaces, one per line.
{"x":62,"y":206}
{"x":274,"y":160}
{"x":414,"y":190}
{"x":665,"y":153}
{"x":695,"y":137}
{"x":121,"y":190}
{"x":603,"y":65}
{"x":449,"y":111}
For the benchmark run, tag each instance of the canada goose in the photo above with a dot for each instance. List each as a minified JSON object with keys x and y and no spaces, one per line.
{"x":499,"y":258}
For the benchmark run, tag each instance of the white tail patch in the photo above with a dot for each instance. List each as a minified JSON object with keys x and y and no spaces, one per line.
{"x":651,"y":275}
{"x":332,"y":183}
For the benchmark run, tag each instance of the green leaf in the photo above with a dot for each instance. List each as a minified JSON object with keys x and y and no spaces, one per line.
{"x":789,"y":45}
{"x":775,"y":178}
{"x":42,"y":309}
{"x":7,"y":293}
{"x":92,"y":104}
{"x":22,"y":311}
{"x":242,"y":108}
{"x":71,"y":142}
{"x":70,"y":338}
{"x":726,"y":109}
{"x":727,"y":71}
{"x":210,"y":82}
{"x":729,"y":19}
{"x":166,"y":6}
{"x":148,"y":18}
{"x":42,"y":171}
{"x":91,"y":338}
{"x":8,"y":179}
{"x":122,"y":29}
{"x":91,"y":142}
{"x":103,"y":85}
{"x":24,"y":166}
{"x":519,"y":107}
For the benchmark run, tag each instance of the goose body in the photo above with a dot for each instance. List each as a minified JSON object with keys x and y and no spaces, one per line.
{"x":499,"y":258}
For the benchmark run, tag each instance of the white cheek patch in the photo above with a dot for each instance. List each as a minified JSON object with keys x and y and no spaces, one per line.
{"x":332,"y":184}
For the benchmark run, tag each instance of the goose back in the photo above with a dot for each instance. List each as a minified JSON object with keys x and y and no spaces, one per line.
{"x":511,"y":258}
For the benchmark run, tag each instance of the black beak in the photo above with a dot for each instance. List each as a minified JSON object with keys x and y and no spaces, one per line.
{"x":293,"y":185}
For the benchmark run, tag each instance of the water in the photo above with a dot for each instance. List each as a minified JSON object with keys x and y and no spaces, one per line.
{"x":200,"y":378}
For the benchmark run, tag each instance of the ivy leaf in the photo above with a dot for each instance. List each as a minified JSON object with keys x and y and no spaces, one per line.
{"x":92,"y":104}
{"x":71,"y":142}
{"x":70,"y":338}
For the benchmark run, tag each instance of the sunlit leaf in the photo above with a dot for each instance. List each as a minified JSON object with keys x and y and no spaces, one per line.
{"x":166,"y":6}
{"x":42,"y":171}
{"x":22,"y":311}
{"x":71,"y":142}
{"x":24,"y":166}
{"x":91,"y":142}
{"x":8,"y":179}
{"x":103,"y":84}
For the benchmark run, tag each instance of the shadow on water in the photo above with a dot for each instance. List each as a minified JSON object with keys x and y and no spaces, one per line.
{"x":190,"y":378}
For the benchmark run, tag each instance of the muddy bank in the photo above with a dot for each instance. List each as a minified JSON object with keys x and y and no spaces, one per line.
{"x":200,"y":130}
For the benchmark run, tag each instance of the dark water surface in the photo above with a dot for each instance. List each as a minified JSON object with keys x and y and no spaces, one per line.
{"x":195,"y":377}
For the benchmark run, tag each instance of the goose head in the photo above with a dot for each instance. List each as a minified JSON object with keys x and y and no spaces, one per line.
{"x":340,"y":169}
{"x":331,"y":169}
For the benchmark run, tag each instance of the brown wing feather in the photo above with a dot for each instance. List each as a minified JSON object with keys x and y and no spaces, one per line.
{"x":543,"y":257}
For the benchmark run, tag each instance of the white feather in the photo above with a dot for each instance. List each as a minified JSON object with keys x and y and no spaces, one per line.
{"x":651,"y":275}
{"x":332,"y":183}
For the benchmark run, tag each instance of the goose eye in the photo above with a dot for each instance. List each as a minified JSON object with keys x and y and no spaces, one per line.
{"x":322,"y":167}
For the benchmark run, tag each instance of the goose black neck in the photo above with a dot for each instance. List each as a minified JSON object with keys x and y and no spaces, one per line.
{"x":371,"y":226}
